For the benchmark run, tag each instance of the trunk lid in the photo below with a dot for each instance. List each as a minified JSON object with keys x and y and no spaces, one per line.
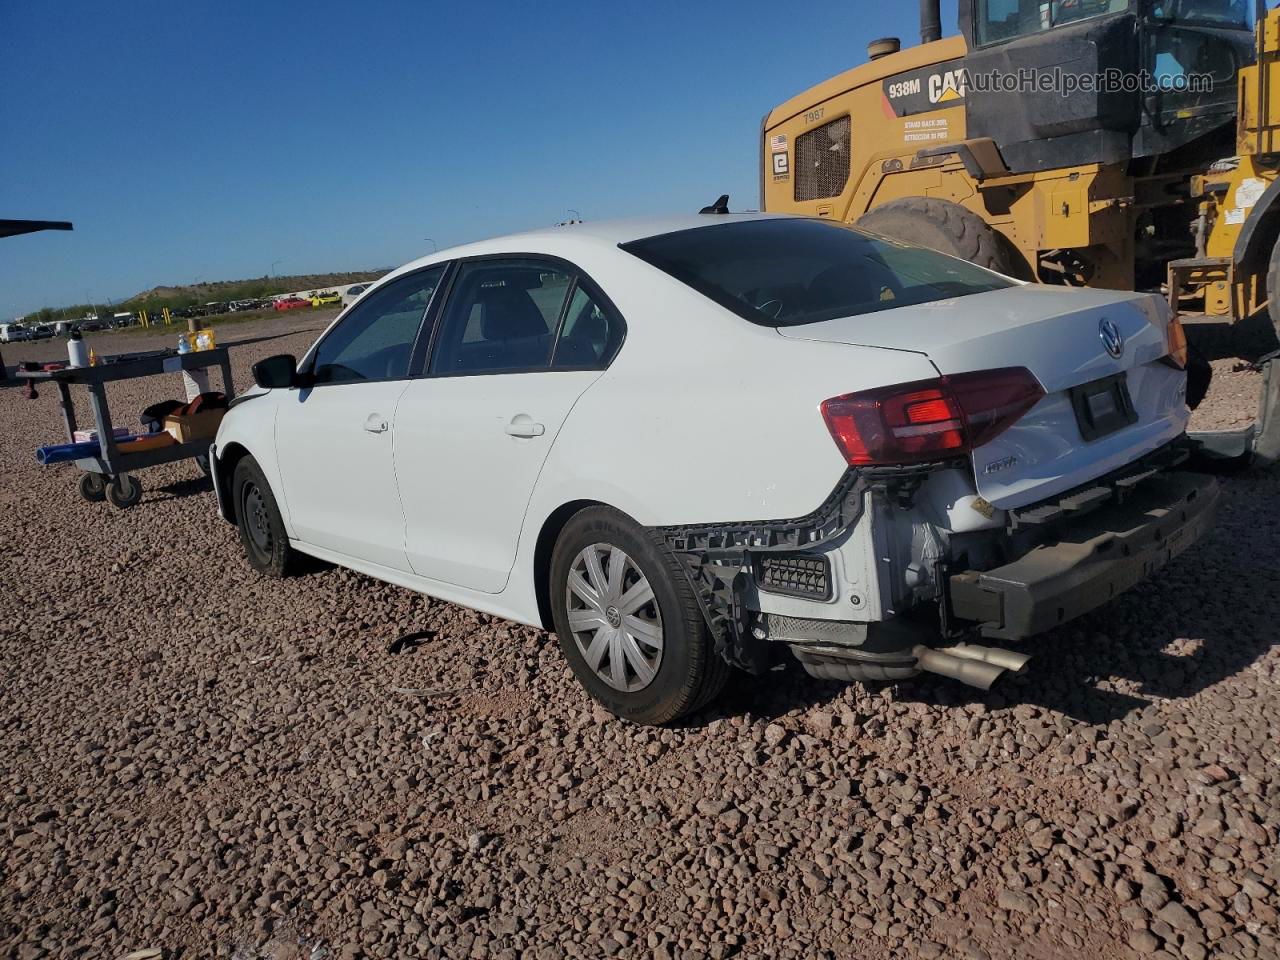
{"x":1058,"y":334}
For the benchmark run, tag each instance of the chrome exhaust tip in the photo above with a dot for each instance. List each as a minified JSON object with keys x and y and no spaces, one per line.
{"x":971,"y":664}
{"x":996,"y":656}
{"x":975,"y":673}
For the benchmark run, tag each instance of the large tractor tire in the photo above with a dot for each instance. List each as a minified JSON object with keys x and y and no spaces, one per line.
{"x":1273,"y":287}
{"x":943,"y":226}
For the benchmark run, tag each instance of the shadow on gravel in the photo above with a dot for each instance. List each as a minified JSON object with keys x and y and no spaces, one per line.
{"x":177,"y":490}
{"x":1249,"y":339}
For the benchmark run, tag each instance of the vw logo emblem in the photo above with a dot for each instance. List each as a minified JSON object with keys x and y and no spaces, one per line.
{"x":1111,"y":336}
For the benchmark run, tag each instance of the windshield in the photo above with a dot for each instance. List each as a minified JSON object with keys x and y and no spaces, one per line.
{"x":1005,"y":19}
{"x":783,"y":272}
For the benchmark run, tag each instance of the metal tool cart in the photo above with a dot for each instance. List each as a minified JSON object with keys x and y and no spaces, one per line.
{"x":107,"y":475}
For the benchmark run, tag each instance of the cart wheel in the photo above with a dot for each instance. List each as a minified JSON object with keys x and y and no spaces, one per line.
{"x":124,"y":491}
{"x":93,"y":488}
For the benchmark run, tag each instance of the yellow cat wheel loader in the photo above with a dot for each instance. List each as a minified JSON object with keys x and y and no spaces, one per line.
{"x":1126,"y":144}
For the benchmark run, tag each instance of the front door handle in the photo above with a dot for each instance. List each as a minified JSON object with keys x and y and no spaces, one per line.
{"x":376,"y":423}
{"x":522,"y":425}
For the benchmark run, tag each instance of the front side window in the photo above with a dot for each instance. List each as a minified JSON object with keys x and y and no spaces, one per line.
{"x":783,"y":272}
{"x":502,"y":315}
{"x":1005,"y":19}
{"x":374,"y":341}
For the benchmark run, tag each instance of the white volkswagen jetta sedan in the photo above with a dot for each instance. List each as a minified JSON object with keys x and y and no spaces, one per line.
{"x":686,"y":444}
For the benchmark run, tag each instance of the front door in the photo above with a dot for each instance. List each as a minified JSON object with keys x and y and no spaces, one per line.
{"x":334,"y":437}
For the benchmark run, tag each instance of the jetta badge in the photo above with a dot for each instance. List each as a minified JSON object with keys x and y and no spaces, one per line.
{"x":1111,"y":336}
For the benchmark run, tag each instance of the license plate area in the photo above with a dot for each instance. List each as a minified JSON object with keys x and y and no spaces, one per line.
{"x":1103,"y":406}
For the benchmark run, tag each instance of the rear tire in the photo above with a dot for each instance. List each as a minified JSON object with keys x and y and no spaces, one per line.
{"x":943,"y":226}
{"x":649,"y":662}
{"x":262,"y":533}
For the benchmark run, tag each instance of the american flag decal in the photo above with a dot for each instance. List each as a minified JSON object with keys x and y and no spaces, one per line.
{"x":777,"y":143}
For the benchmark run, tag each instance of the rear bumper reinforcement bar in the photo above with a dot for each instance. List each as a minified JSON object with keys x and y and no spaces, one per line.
{"x":1095,"y":559}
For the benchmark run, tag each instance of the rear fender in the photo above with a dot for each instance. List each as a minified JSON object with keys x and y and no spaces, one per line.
{"x":1257,"y":238}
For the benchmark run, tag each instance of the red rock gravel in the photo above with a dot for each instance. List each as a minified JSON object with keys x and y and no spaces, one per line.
{"x":205,"y":763}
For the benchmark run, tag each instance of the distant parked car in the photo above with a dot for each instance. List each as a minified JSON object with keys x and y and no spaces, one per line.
{"x":326,"y":298}
{"x":41,"y":331}
{"x":13,"y":332}
{"x":89,"y":326}
{"x":353,"y":293}
{"x":291,"y":303}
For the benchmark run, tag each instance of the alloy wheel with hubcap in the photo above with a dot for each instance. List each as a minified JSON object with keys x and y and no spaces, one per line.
{"x":614,"y":617}
{"x":628,"y":621}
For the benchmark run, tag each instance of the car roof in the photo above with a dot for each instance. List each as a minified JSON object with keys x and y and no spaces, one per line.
{"x":604,"y":233}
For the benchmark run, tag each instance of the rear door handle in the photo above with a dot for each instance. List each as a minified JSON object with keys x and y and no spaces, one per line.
{"x":375,"y":423}
{"x":522,"y":425}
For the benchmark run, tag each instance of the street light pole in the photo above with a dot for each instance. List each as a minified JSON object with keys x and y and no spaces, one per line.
{"x":273,"y":265}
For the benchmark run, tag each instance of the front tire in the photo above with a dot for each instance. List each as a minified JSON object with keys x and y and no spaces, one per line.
{"x":628,"y":622}
{"x":262,"y":533}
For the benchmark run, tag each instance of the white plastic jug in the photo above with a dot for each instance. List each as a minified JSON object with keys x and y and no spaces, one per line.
{"x":77,"y":350}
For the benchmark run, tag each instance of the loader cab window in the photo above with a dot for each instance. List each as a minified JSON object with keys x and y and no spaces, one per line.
{"x":1218,"y":13}
{"x":999,"y":20}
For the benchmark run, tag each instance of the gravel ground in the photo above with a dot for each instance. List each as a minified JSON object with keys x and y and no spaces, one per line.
{"x":202,"y":762}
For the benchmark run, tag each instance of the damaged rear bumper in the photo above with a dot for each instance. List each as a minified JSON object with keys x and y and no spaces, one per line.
{"x":1093,"y":559}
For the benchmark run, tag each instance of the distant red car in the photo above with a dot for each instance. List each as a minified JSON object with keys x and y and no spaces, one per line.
{"x":289,"y":303}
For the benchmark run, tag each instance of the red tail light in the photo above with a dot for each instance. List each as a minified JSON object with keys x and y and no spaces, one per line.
{"x":929,"y":419}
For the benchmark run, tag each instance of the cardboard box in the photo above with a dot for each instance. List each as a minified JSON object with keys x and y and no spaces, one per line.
{"x":193,"y":426}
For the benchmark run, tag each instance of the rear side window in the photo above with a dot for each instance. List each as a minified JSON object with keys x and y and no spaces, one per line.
{"x":783,"y":272}
{"x":502,"y":315}
{"x":374,"y":341}
{"x":590,"y":334}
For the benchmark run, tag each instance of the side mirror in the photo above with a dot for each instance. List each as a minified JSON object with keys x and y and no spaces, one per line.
{"x":278,"y":372}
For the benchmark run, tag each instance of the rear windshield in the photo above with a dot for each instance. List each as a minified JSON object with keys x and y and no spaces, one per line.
{"x":785,"y":272}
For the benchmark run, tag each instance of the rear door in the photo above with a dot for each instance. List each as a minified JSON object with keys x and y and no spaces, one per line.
{"x":334,"y":439}
{"x":519,"y":340}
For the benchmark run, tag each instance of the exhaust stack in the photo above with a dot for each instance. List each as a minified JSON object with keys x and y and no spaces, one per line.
{"x":930,"y":21}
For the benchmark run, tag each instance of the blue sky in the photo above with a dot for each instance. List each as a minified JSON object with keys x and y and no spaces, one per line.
{"x":208,"y":139}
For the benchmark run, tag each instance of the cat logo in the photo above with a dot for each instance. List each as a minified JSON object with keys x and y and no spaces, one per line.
{"x":945,"y":87}
{"x":925,"y":88}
